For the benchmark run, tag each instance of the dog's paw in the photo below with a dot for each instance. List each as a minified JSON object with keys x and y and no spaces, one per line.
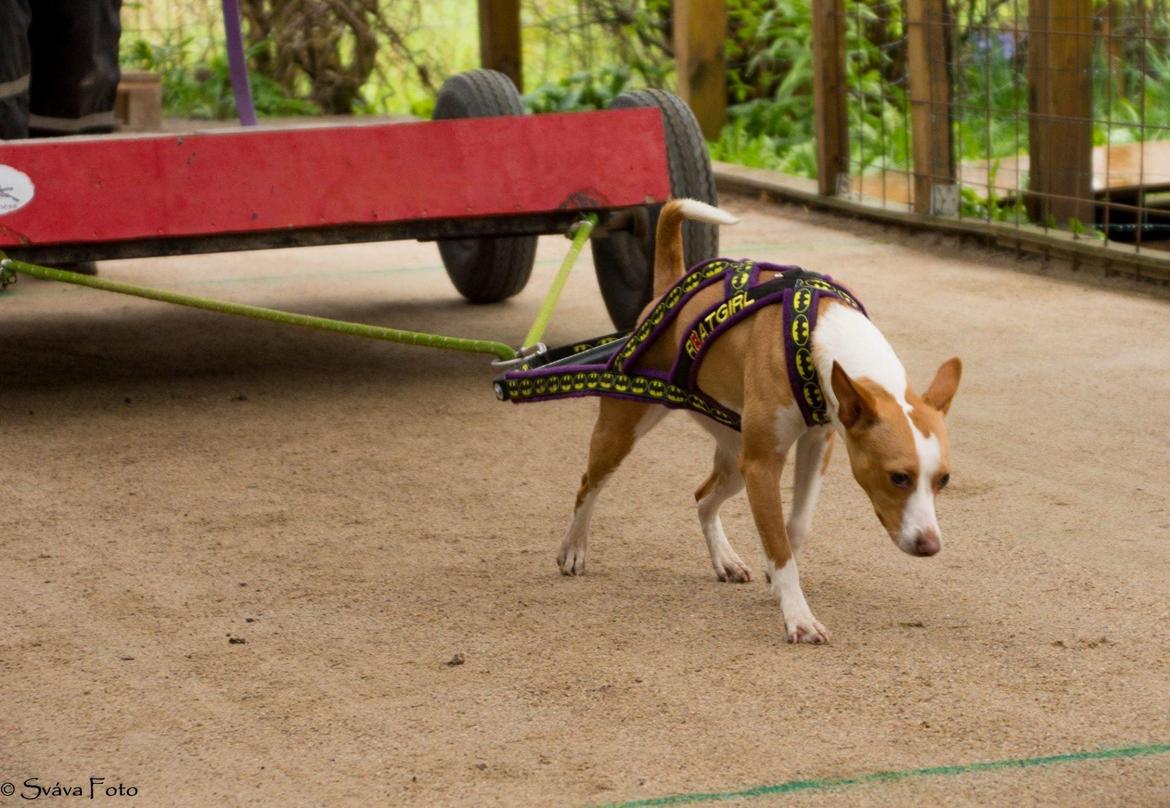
{"x":572,"y":560}
{"x":734,"y":572}
{"x":807,"y":630}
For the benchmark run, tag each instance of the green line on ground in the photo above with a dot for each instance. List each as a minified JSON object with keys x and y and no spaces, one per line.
{"x":829,"y":783}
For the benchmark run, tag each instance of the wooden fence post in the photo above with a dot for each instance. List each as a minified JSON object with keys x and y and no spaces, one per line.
{"x":829,"y":88}
{"x":928,"y":38}
{"x":700,"y":27}
{"x":499,"y":38}
{"x":1060,"y":111}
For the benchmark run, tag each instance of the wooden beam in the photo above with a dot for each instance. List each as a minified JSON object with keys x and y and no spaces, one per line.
{"x":829,"y":88}
{"x":928,"y":37}
{"x":499,"y":38}
{"x":700,"y":28}
{"x":1060,"y":107}
{"x":1149,"y":266}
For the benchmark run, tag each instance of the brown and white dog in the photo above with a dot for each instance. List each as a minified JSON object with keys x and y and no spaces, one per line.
{"x":896,"y":440}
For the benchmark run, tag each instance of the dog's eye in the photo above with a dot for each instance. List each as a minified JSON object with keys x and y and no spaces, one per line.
{"x":900,"y":479}
{"x":943,"y":480}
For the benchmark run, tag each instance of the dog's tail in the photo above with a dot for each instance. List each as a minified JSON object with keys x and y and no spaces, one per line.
{"x":669,"y":264}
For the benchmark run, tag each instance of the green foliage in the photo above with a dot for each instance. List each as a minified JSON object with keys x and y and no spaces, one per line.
{"x":770,"y":78}
{"x":777,"y":131}
{"x":990,"y":95}
{"x":566,"y":38}
{"x":974,"y":205}
{"x":589,"y":89}
{"x":767,"y":51}
{"x":201,"y":88}
{"x":1134,"y":105}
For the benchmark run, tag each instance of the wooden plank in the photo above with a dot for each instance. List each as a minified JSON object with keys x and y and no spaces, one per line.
{"x":700,"y":28}
{"x":1060,"y":106}
{"x":829,"y":89}
{"x":138,"y":103}
{"x":118,"y":188}
{"x":1113,"y":258}
{"x":928,"y":36}
{"x":499,"y":38}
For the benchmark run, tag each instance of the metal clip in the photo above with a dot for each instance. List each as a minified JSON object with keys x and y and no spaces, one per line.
{"x":522,"y":356}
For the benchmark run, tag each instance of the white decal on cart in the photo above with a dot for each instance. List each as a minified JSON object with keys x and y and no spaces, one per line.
{"x":16,"y":189}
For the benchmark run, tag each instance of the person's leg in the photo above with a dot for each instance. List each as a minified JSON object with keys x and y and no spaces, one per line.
{"x":74,"y":75}
{"x":14,"y":69}
{"x":74,"y":66}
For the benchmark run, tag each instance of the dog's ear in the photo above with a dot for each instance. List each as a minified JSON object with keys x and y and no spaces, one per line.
{"x":855,"y":404}
{"x":945,"y":383}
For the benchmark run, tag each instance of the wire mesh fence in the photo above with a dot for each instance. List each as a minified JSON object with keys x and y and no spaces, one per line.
{"x":1054,"y":113}
{"x":302,"y":45}
{"x":199,"y":23}
{"x":1048,"y":113}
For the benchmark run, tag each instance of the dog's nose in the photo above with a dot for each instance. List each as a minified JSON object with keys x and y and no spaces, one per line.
{"x":927,"y":542}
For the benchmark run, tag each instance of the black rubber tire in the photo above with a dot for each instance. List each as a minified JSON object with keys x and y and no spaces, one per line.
{"x":484,"y":270}
{"x":624,"y":260}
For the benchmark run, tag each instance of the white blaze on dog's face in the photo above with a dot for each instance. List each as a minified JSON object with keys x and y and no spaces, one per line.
{"x":898,"y":451}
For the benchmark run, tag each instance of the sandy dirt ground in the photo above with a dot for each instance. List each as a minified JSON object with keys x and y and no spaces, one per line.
{"x":238,"y":559}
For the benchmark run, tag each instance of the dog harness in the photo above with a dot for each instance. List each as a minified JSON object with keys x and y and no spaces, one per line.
{"x":608,"y":365}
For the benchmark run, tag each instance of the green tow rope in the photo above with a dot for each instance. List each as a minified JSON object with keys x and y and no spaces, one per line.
{"x":9,"y":267}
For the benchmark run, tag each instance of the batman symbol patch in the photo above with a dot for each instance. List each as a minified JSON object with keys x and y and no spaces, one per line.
{"x":800,"y":331}
{"x":804,"y":364}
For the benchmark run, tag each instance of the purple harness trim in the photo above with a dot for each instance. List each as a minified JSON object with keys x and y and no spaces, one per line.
{"x":800,"y":320}
{"x":662,"y":325}
{"x":692,"y":379}
{"x":797,"y":290}
{"x":753,"y":280}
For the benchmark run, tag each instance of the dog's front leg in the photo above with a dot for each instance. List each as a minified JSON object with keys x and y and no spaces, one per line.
{"x":761,"y":464}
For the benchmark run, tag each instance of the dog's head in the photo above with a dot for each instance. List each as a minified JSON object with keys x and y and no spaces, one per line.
{"x":898,"y":451}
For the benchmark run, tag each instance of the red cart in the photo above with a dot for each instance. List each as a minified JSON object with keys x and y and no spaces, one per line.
{"x":483,"y":180}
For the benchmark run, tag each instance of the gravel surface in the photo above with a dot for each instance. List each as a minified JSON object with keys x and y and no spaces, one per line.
{"x":253,"y":565}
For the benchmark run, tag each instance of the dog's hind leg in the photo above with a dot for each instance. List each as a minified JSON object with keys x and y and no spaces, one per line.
{"x":725,"y":482}
{"x":619,"y":425}
{"x":813,"y":450}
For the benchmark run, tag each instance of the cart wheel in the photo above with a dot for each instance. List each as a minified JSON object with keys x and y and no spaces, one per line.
{"x":484,"y":270}
{"x":624,"y":260}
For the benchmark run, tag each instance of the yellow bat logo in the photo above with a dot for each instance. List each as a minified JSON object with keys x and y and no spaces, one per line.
{"x":800,"y":331}
{"x":801,"y":300}
{"x":813,"y":396}
{"x":804,"y":364}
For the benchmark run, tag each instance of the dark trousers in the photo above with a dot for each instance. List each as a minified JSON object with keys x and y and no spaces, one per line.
{"x":58,"y":66}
